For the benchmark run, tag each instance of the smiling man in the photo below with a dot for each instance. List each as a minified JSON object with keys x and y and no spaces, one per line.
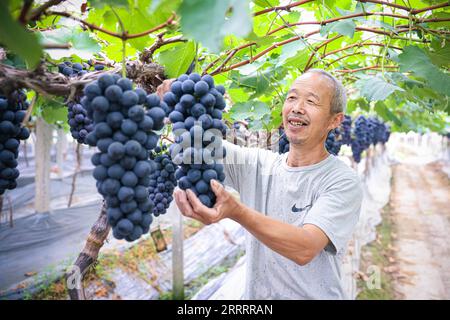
{"x":300,"y":207}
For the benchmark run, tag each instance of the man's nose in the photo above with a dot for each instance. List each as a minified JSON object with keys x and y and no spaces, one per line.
{"x":299,"y":107}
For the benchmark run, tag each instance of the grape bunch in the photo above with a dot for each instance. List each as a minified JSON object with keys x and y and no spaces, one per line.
{"x":381,"y":131}
{"x":386,"y":134}
{"x":333,"y":143}
{"x":196,"y":106}
{"x":372,"y":127}
{"x":12,"y":113}
{"x":361,"y":138}
{"x":70,"y":69}
{"x":283,"y":143}
{"x":80,"y":124}
{"x":123,"y":133}
{"x":162,"y":180}
{"x":236,"y":125}
{"x":346,"y":130}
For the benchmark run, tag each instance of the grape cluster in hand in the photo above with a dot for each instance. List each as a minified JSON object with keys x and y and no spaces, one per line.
{"x":196,"y":105}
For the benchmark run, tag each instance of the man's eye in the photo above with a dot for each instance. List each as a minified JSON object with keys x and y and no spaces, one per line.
{"x":310,"y":101}
{"x":291,"y":98}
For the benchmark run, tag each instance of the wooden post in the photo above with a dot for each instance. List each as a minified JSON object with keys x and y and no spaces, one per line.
{"x":61,"y":146}
{"x":43,"y":145}
{"x":177,"y":253}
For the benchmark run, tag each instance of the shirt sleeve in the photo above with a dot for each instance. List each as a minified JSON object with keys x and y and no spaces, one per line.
{"x":336,"y":212}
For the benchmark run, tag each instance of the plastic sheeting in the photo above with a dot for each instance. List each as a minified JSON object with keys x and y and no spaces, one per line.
{"x":376,"y":191}
{"x":21,"y":200}
{"x":40,"y":240}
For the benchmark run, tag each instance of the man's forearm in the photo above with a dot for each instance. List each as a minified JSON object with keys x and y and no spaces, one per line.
{"x":294,"y":243}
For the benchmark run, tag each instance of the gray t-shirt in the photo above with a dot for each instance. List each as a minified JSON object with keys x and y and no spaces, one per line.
{"x":327,"y":194}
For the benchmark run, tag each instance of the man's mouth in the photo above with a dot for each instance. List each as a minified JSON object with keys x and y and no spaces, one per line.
{"x":297,"y":122}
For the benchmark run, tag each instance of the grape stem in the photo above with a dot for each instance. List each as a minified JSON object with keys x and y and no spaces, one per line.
{"x":122,"y":35}
{"x":52,"y":83}
{"x":147,"y":54}
{"x":164,"y":137}
{"x":27,"y":4}
{"x":29,"y":110}
{"x":124,"y":44}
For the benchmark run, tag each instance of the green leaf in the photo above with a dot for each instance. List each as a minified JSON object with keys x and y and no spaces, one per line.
{"x":294,"y":54}
{"x":343,"y":27}
{"x":207,"y":21}
{"x":260,"y":110}
{"x":416,"y":60}
{"x":261,"y":41}
{"x":81,"y":43}
{"x":255,"y":110}
{"x":266,"y":3}
{"x":203,"y":21}
{"x":17,"y":39}
{"x":385,"y":113}
{"x":53,"y":115}
{"x":52,"y":110}
{"x":238,"y":94}
{"x":364,"y":7}
{"x":240,"y":111}
{"x":440,"y":14}
{"x":375,"y":88}
{"x":440,"y":56}
{"x":258,"y":81}
{"x":375,"y":23}
{"x":113,"y":3}
{"x":290,"y":50}
{"x":393,"y":55}
{"x":113,"y":49}
{"x":354,"y":104}
{"x":177,"y":59}
{"x":239,"y":22}
{"x":292,"y":17}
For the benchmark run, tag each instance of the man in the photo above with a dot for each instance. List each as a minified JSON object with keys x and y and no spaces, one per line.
{"x":301,"y":207}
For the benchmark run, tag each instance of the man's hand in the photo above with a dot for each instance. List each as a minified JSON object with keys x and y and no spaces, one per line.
{"x":164,"y":87}
{"x":190,"y":206}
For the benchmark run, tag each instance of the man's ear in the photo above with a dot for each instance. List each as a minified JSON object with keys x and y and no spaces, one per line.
{"x":336,"y":121}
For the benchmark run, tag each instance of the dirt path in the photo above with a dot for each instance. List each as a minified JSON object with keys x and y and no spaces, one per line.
{"x":421,"y":207}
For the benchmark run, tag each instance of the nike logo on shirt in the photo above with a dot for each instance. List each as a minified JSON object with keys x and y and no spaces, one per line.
{"x":295,"y":209}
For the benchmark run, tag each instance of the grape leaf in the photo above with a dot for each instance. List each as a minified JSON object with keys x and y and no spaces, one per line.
{"x":207,"y":21}
{"x":375,"y":88}
{"x":343,"y":27}
{"x":81,"y":43}
{"x":177,"y":59}
{"x":17,"y":39}
{"x":416,"y":60}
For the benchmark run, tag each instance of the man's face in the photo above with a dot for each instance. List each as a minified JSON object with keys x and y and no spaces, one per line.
{"x":306,"y":111}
